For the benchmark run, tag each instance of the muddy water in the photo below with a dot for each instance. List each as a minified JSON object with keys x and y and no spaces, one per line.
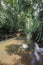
{"x":14,"y":59}
{"x":4,"y":57}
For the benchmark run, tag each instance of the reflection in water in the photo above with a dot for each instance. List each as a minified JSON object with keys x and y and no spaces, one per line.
{"x":27,"y":56}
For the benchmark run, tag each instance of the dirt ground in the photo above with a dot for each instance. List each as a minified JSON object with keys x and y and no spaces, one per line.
{"x":17,"y":58}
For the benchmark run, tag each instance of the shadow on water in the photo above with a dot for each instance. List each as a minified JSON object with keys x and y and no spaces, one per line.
{"x":13,"y":49}
{"x":18,"y":50}
{"x":26,"y":56}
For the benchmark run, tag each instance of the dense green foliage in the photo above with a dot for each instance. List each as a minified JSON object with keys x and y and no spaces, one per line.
{"x":22,"y":15}
{"x":10,"y":18}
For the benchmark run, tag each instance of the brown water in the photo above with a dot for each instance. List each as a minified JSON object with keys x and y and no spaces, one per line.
{"x":14,"y":59}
